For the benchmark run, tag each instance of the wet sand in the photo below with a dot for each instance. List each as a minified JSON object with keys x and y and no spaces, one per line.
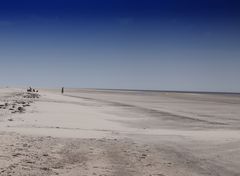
{"x":114,"y":132}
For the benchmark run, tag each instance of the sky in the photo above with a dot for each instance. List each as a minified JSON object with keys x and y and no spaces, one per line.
{"x":186,"y":45}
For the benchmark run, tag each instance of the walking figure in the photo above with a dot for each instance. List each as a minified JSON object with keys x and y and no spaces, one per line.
{"x":62,"y":90}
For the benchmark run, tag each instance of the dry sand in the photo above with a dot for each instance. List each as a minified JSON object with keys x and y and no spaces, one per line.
{"x":119,"y":133}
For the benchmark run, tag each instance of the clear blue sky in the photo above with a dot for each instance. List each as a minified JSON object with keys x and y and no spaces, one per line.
{"x":132,"y":44}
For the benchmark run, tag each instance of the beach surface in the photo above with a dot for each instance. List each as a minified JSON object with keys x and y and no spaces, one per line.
{"x":118,"y":133}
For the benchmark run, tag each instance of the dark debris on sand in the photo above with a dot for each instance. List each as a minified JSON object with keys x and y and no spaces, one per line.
{"x":19,"y":102}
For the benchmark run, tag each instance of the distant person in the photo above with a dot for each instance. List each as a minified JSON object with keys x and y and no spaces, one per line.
{"x":62,"y":90}
{"x":30,"y":89}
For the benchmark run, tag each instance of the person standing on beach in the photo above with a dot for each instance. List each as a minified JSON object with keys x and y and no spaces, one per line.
{"x":62,"y":90}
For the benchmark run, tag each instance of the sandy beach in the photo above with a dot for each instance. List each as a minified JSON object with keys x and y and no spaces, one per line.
{"x":118,"y":133}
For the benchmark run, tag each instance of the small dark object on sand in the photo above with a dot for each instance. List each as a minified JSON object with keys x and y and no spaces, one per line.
{"x":45,"y":168}
{"x":10,"y":119}
{"x":21,"y":109}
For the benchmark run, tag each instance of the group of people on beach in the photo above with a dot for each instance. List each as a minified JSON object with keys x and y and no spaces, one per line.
{"x":30,"y":89}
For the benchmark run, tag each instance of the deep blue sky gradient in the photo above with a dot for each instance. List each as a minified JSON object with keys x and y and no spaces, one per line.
{"x":132,"y":44}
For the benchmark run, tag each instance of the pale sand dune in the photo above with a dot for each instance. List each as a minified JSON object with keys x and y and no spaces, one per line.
{"x":106,"y":132}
